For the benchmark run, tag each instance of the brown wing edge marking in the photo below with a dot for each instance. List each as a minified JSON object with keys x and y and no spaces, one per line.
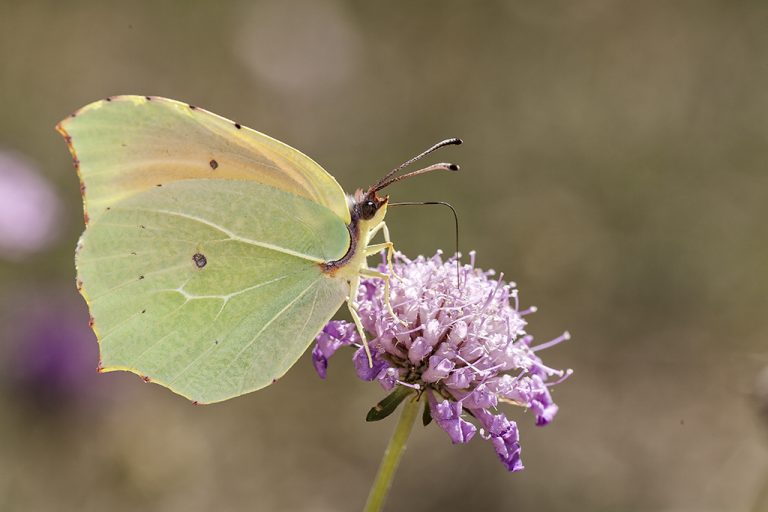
{"x":78,"y":282}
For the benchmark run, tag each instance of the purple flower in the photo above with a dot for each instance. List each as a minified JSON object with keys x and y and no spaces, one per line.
{"x":51,"y":353}
{"x":447,"y":414}
{"x":334,"y":335}
{"x":463,"y":343}
{"x":504,"y":436}
{"x":29,"y":208}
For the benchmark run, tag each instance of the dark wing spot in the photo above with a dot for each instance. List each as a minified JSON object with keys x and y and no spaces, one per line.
{"x":159,"y":185}
{"x":192,"y":107}
{"x":109,"y":208}
{"x":141,"y":277}
{"x":200,"y":260}
{"x":237,"y":125}
{"x":215,"y":342}
{"x":108,"y":98}
{"x":149,"y":98}
{"x":214,"y":164}
{"x":133,"y":253}
{"x":142,"y":226}
{"x":143,"y":311}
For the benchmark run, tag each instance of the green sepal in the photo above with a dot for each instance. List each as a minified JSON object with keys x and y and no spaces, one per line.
{"x":388,"y":405}
{"x":426,"y":417}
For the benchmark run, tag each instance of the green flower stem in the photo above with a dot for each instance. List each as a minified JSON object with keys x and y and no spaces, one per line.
{"x":395,"y":449}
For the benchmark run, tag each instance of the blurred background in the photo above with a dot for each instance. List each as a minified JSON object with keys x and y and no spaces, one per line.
{"x":614,"y":166}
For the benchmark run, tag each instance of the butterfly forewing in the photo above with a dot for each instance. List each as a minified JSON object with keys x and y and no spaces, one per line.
{"x":128,"y":144}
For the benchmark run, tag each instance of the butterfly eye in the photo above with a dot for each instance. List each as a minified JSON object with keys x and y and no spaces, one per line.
{"x":368,"y":209}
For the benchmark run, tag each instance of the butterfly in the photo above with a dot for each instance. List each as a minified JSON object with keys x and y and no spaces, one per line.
{"x":213,"y":254}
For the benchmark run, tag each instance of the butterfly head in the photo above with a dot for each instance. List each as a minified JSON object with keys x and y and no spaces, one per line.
{"x":369,"y":206}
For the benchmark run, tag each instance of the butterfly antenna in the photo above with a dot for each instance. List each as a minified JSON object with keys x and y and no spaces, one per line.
{"x":455,"y":223}
{"x":388,"y":178}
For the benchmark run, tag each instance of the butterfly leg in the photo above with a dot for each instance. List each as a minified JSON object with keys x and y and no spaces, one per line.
{"x":375,"y":230}
{"x":382,"y":226}
{"x":352,"y":306}
{"x":367,"y":272}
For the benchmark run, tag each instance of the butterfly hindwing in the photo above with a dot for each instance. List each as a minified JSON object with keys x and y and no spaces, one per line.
{"x":212,"y":288}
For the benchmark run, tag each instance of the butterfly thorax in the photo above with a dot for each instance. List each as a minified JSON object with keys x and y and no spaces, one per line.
{"x":367,"y":211}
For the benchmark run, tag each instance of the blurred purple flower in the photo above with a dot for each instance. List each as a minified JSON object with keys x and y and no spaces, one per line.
{"x":53,"y":356}
{"x":465,"y":346}
{"x":29,"y":208}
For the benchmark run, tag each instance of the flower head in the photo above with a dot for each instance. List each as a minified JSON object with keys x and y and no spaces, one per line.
{"x":51,"y":352}
{"x":29,"y":208}
{"x":459,"y":338}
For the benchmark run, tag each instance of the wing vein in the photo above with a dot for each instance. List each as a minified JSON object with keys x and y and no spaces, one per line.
{"x":236,"y":237}
{"x":309,"y":316}
{"x":103,"y":294}
{"x":264,"y":328}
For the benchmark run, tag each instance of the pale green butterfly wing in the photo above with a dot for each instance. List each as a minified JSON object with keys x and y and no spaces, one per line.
{"x":127,"y":144}
{"x":213,"y":288}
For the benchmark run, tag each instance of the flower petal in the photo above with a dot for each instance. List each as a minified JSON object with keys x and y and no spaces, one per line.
{"x":447,"y":414}
{"x":504,"y":437}
{"x":363,"y":367}
{"x":438,"y":368}
{"x":336,"y":334}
